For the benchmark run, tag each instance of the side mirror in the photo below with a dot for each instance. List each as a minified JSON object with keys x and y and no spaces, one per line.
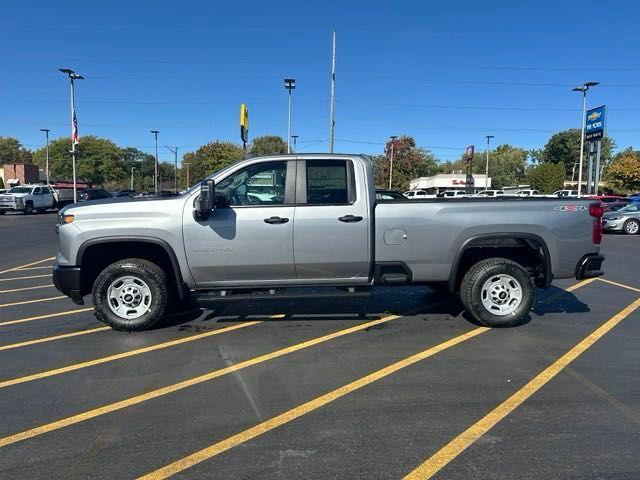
{"x":204,"y":204}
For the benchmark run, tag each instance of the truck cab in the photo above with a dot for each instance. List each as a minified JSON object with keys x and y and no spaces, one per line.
{"x":26,"y":199}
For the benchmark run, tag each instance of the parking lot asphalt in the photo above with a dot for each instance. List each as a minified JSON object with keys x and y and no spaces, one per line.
{"x":398,"y":385}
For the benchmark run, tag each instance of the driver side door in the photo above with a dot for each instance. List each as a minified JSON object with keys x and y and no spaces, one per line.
{"x":248,"y":239}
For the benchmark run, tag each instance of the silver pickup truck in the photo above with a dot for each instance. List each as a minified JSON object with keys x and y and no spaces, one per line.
{"x":263,"y":225}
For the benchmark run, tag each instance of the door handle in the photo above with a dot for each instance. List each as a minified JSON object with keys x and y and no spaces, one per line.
{"x":350,"y":219}
{"x":275,"y":220}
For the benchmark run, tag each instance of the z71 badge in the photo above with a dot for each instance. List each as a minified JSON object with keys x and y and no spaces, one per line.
{"x":571,"y":208}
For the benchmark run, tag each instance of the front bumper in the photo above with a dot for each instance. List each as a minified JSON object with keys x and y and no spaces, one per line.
{"x":590,"y":266}
{"x":612,"y":225}
{"x":67,"y":280}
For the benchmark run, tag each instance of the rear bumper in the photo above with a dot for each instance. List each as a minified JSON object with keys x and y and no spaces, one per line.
{"x":67,"y":280}
{"x":590,"y":266}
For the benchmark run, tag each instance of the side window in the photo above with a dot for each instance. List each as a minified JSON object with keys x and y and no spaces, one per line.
{"x":37,"y":191}
{"x":327,"y":182}
{"x":258,"y":184}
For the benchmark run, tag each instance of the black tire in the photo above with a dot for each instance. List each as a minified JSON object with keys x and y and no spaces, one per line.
{"x":147,"y":272}
{"x":631,"y":227}
{"x":2,"y":212}
{"x":28,"y":208}
{"x":471,"y":292}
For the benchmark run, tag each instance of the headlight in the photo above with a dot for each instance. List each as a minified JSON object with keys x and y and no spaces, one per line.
{"x":613,"y":218}
{"x":66,"y":219}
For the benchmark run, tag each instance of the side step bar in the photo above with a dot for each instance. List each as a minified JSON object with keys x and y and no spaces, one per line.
{"x":243,"y":295}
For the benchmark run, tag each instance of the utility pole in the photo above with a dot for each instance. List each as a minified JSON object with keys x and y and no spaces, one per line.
{"x":46,"y":132}
{"x":486,"y":171}
{"x":332,"y":122}
{"x":155,"y":177}
{"x":186,"y":164}
{"x":74,"y":127}
{"x":393,"y":143}
{"x":132,"y":169}
{"x":295,"y":142}
{"x":289,"y":84}
{"x":583,"y":89}
{"x":174,"y":150}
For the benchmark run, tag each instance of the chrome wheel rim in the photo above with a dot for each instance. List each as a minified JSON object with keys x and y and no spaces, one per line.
{"x":501,"y":294}
{"x":129,"y":297}
{"x":632,"y":227}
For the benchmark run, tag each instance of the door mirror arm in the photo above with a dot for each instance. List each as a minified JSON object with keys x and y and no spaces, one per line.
{"x":205,"y":203}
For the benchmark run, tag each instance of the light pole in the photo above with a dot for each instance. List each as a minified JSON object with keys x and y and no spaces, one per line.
{"x":46,"y":132}
{"x":289,"y":84}
{"x":393,"y":143}
{"x":155,"y":177}
{"x":295,"y":142}
{"x":132,"y":169}
{"x":174,"y":150}
{"x":74,"y":127}
{"x":186,"y":164}
{"x":583,"y":89}
{"x":486,"y":170}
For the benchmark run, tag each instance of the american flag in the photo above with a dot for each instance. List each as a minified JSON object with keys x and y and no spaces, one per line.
{"x":75,"y":138}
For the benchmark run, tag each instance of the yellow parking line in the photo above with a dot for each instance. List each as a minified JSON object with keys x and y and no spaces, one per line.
{"x":37,"y":300}
{"x":27,"y":265}
{"x":48,"y":315}
{"x":128,"y":402}
{"x":25,"y":278}
{"x":118,"y":356}
{"x":22,"y":289}
{"x":308,"y":407}
{"x":53,"y":338}
{"x":456,"y":446}
{"x":33,"y":268}
{"x":621,"y":285}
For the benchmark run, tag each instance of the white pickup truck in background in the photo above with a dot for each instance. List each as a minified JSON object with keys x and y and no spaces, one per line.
{"x":27,"y":198}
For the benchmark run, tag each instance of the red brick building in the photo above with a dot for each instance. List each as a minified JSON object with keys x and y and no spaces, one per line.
{"x":20,"y":174}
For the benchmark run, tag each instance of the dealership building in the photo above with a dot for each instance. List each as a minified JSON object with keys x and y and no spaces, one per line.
{"x":449,"y":181}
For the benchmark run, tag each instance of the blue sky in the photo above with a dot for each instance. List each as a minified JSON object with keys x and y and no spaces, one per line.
{"x":447,"y":73}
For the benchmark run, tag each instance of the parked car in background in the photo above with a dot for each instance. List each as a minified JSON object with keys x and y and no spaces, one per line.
{"x":417,"y":195}
{"x":634,"y":197}
{"x":389,"y":195}
{"x":489,"y":193}
{"x":124,"y":193}
{"x":527,"y":193}
{"x":626,"y":219}
{"x":564,"y":193}
{"x":606,"y":198}
{"x":453,"y":194}
{"x":87,"y":194}
{"x":27,"y":198}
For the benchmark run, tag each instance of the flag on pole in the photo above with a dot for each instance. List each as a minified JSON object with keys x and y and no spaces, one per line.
{"x":75,"y":138}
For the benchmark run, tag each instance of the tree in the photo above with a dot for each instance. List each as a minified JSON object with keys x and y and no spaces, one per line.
{"x":12,"y":151}
{"x":624,"y":172}
{"x":547,"y":177}
{"x":268,"y":145}
{"x":409,"y":162}
{"x":98,"y":161}
{"x":144,"y":168}
{"x":210,"y":158}
{"x":565,"y":147}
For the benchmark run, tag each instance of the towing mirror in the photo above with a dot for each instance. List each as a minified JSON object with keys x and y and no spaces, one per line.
{"x":205,"y":202}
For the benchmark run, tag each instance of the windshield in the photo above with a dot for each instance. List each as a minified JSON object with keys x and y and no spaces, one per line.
{"x":630,"y":208}
{"x":20,"y":190}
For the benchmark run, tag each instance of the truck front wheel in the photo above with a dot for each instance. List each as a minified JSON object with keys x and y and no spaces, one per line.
{"x":130,"y":294}
{"x":498,"y":292}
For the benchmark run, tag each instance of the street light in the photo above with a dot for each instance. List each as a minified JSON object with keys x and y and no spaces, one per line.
{"x":486,"y":170}
{"x":289,"y":84}
{"x":155,"y":178}
{"x":74,"y":126}
{"x":46,"y":132}
{"x":186,"y":164}
{"x":393,"y":142}
{"x":175,"y":165}
{"x":583,"y":89}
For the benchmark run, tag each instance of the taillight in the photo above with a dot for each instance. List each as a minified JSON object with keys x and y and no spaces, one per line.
{"x":596,"y":210}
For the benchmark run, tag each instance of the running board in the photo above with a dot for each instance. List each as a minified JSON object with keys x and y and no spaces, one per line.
{"x":275,"y":294}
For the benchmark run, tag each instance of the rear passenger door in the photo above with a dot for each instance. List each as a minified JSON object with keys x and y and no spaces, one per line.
{"x":331,"y":226}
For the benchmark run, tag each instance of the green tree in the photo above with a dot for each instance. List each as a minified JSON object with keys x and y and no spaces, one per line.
{"x":624,"y":172}
{"x":565,"y":147}
{"x":268,"y":145}
{"x":12,"y":151}
{"x":547,"y":177}
{"x":409,"y":162}
{"x":98,"y":161}
{"x":211,"y":157}
{"x":144,"y":168}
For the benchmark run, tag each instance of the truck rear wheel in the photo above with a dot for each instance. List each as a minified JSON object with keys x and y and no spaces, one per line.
{"x":130,"y":294}
{"x":498,"y":292}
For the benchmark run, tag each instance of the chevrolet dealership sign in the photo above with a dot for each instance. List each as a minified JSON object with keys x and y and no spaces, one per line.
{"x":594,"y":123}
